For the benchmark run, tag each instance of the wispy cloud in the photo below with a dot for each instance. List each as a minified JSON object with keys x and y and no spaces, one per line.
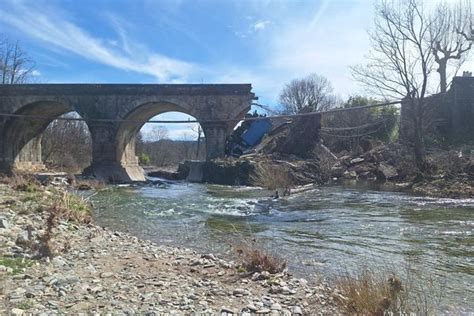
{"x":260,"y":25}
{"x":52,"y":29}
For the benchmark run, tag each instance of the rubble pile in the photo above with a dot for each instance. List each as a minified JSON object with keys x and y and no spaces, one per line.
{"x":450,"y":174}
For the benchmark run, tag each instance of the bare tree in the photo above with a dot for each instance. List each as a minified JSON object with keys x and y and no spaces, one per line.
{"x":314,"y":92}
{"x":15,"y":65}
{"x":157,"y":133}
{"x":401,"y":61}
{"x":56,"y":142}
{"x":450,"y":37}
{"x":197,"y":130}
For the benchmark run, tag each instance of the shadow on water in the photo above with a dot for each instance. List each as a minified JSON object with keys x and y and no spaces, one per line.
{"x":323,"y":230}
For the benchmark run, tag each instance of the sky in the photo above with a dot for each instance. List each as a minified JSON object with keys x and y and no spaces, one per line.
{"x":263,"y":42}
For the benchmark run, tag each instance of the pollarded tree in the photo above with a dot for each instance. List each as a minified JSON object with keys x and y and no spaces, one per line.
{"x":450,"y":37}
{"x":400,"y":62}
{"x":314,"y":92}
{"x":15,"y":65}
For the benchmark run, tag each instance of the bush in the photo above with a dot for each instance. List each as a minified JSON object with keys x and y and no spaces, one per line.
{"x":252,"y":259}
{"x":144,"y":159}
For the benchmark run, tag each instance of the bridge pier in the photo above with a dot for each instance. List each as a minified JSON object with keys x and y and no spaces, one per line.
{"x":216,"y":135}
{"x":29,"y":157}
{"x":106,"y":162}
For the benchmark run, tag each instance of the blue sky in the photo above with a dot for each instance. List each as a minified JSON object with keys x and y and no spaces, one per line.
{"x":263,"y":42}
{"x":266,"y":43}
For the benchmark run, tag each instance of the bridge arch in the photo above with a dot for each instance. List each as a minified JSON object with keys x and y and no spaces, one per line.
{"x":23,"y":135}
{"x":127,"y":131}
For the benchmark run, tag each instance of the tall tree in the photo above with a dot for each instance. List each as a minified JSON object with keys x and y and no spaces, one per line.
{"x":400,"y":62}
{"x":314,"y":92}
{"x":450,"y":37}
{"x":15,"y":65}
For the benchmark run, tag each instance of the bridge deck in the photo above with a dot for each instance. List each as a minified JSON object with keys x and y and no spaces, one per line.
{"x":126,"y":89}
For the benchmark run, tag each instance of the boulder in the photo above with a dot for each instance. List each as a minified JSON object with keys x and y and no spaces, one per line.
{"x":387,"y":172}
{"x":350,"y":175}
{"x":357,"y":160}
{"x":337,"y":170}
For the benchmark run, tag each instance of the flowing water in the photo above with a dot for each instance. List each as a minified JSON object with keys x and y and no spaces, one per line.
{"x":325,"y":231}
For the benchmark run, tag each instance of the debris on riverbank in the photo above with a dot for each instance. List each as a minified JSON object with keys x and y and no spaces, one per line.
{"x":450,"y":174}
{"x":98,"y":270}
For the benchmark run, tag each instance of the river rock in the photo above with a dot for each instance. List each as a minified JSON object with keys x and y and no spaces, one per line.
{"x":227,"y":310}
{"x":16,"y":311}
{"x":350,"y":174}
{"x":58,"y":262}
{"x":263,"y":311}
{"x":106,"y":274}
{"x":356,"y":160}
{"x":4,"y":223}
{"x":239,"y":292}
{"x":276,"y":307}
{"x":387,"y":172}
{"x":297,"y":310}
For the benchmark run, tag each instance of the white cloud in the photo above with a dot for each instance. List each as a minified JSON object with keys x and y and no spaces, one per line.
{"x":260,"y":25}
{"x":35,"y":73}
{"x":54,"y":30}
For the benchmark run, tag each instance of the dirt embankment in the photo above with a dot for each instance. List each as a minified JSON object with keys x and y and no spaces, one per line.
{"x":98,"y":270}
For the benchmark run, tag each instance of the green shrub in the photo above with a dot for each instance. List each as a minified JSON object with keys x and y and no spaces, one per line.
{"x":144,"y":159}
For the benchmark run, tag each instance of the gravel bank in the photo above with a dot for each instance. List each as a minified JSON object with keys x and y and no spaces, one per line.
{"x":99,"y":270}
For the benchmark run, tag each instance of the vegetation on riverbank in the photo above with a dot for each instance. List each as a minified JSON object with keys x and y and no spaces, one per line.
{"x":371,"y":291}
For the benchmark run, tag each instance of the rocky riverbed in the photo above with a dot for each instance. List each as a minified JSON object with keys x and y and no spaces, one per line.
{"x":99,"y":270}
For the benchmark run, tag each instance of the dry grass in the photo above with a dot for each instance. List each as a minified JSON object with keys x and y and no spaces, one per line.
{"x":272,"y":177}
{"x":72,"y":208}
{"x":42,"y":245}
{"x":253,"y":259}
{"x":370,"y":292}
{"x":67,"y":207}
{"x":20,"y":182}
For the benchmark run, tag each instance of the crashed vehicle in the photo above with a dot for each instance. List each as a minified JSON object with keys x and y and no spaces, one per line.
{"x":247,"y":135}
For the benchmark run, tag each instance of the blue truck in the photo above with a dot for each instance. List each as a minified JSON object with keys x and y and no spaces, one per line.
{"x":247,"y":135}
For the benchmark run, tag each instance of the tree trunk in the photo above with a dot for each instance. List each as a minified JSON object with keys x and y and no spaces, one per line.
{"x":198,"y":142}
{"x":442,"y":75}
{"x":418,"y":141}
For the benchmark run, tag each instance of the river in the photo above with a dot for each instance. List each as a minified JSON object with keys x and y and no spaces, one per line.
{"x":323,"y":231}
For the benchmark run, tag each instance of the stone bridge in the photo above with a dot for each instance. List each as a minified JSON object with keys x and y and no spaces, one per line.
{"x":113,"y":142}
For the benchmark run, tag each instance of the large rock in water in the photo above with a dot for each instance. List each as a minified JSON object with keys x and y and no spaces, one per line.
{"x":242,"y":171}
{"x":228,"y":172}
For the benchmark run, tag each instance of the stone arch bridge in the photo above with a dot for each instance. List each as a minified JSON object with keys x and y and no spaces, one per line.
{"x":113,"y":142}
